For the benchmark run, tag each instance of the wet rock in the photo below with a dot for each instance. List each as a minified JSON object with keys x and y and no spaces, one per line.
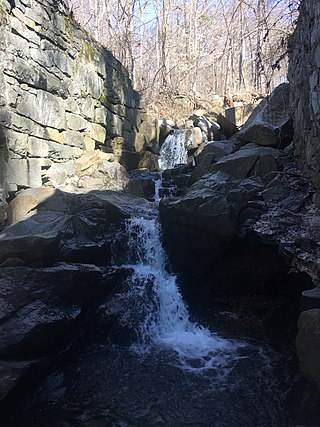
{"x":270,"y":123}
{"x":275,"y":190}
{"x":308,"y":345}
{"x":166,"y":128}
{"x":256,"y":189}
{"x":202,"y":168}
{"x":175,"y":181}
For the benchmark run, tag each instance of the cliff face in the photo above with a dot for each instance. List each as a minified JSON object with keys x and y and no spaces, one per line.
{"x":304,"y":77}
{"x":61,"y":94}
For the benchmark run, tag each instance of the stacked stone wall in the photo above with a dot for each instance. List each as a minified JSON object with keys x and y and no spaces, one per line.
{"x":61,"y":94}
{"x":304,"y":77}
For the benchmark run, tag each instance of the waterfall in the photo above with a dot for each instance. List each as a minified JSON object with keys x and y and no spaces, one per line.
{"x":157,"y":188}
{"x":153,"y":305}
{"x":173,"y":151}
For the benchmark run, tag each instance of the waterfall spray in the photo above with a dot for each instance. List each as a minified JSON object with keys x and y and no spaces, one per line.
{"x":155,"y":309}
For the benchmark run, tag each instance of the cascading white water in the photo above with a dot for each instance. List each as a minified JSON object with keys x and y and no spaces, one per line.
{"x":153,"y":304}
{"x":157,"y":188}
{"x":173,"y":151}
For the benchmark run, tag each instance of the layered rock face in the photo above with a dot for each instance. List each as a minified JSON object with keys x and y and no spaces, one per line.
{"x":61,"y":95}
{"x":304,"y":77}
{"x":53,"y":271}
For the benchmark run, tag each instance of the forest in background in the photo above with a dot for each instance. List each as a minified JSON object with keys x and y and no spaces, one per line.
{"x":194,"y":47}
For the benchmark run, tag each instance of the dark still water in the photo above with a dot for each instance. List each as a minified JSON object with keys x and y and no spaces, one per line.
{"x":155,"y":366}
{"x":108,"y":385}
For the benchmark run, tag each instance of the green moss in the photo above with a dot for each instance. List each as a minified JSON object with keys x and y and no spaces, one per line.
{"x":67,"y":25}
{"x":3,"y":17}
{"x":104,"y":99}
{"x":88,"y":51}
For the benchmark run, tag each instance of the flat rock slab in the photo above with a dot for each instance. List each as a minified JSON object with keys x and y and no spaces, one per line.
{"x":55,"y":218}
{"x":249,"y":161}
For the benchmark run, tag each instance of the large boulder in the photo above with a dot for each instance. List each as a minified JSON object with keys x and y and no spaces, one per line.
{"x":207,"y":154}
{"x":270,"y":124}
{"x":148,"y":161}
{"x":40,"y":314}
{"x":96,"y":170}
{"x":11,"y":373}
{"x":26,"y":201}
{"x":251,"y":160}
{"x":210,"y":129}
{"x":218,"y":148}
{"x":226,"y":197}
{"x":64,"y":223}
{"x":38,"y":305}
{"x":199,"y":226}
{"x":194,"y":137}
{"x":308,"y":345}
{"x":88,"y":163}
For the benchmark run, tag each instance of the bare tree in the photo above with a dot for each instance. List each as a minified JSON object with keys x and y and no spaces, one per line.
{"x":194,"y":46}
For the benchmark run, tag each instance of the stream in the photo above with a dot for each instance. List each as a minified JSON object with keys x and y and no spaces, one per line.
{"x":158,"y":367}
{"x":148,"y":361}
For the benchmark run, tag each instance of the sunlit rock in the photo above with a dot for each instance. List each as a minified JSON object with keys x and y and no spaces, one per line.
{"x":270,"y":124}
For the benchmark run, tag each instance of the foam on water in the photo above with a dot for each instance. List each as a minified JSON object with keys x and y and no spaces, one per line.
{"x":157,"y":188}
{"x":163,"y":318}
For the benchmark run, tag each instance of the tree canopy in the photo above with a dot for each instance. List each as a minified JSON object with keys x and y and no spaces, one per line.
{"x":194,"y":46}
